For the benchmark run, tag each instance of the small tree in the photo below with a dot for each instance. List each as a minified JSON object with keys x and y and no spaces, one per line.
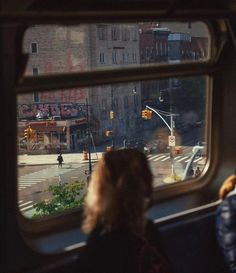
{"x":64,"y":196}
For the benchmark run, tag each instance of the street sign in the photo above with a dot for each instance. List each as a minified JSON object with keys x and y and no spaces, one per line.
{"x":172,"y":141}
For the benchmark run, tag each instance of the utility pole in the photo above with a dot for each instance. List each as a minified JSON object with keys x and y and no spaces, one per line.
{"x":112,"y":119}
{"x":88,"y":137}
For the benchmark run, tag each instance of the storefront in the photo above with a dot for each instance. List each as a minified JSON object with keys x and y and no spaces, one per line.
{"x":51,"y":136}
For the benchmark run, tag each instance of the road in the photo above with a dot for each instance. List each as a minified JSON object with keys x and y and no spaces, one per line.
{"x":33,"y":180}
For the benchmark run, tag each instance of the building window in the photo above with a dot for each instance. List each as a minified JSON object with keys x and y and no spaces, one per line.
{"x":115,"y":104}
{"x":103,"y":115}
{"x":115,"y":33}
{"x":102,"y":32}
{"x":147,"y":52}
{"x":114,"y":59}
{"x":135,"y":99}
{"x":126,"y":102}
{"x":157,"y":49}
{"x":34,"y":48}
{"x":36,"y":97}
{"x":125,"y":34}
{"x":161,"y":49}
{"x":102,"y":58}
{"x":135,"y":34}
{"x":35,"y":71}
{"x":134,"y":57}
{"x":104,"y":104}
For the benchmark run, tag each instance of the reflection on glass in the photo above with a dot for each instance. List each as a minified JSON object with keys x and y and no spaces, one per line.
{"x":163,"y":118}
{"x":57,"y":49}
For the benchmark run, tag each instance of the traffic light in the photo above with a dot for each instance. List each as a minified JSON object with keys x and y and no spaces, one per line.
{"x":146,"y":114}
{"x":149,"y":114}
{"x":33,"y":135}
{"x":30,"y":134}
{"x":112,"y":114}
{"x":109,"y":133}
{"x":27,"y":133}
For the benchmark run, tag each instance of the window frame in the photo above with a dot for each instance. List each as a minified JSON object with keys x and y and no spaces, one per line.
{"x":34,"y":48}
{"x":206,"y":68}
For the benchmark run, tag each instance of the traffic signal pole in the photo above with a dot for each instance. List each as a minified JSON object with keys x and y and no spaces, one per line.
{"x":171,"y":128}
{"x":89,"y":137}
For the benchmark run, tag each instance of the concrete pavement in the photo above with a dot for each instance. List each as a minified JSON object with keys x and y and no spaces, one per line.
{"x":51,"y":159}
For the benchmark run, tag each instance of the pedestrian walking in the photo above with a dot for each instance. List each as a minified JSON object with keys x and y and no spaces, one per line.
{"x":197,"y":172}
{"x":60,"y":160}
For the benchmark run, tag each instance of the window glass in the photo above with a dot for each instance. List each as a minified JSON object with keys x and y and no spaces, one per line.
{"x":65,"y":49}
{"x":166,"y":119}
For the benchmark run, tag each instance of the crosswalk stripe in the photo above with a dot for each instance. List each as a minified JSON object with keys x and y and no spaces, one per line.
{"x":28,"y":183}
{"x":30,"y":179}
{"x":168,"y":157}
{"x":152,"y":157}
{"x":159,"y":157}
{"x":177,"y":157}
{"x":20,"y":201}
{"x":183,"y":158}
{"x":26,"y":208}
{"x":198,"y":159}
{"x":21,"y":205}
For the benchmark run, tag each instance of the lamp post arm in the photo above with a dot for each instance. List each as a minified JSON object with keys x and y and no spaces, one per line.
{"x":160,"y":117}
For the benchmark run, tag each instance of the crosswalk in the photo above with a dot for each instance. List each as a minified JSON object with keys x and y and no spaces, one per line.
{"x":25,"y":205}
{"x":34,"y":178}
{"x":166,"y":156}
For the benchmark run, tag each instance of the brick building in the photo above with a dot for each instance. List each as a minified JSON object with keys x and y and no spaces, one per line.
{"x":55,"y":49}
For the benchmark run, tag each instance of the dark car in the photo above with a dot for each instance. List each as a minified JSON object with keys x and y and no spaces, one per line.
{"x":135,"y":143}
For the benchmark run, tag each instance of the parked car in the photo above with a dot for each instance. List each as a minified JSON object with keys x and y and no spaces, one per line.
{"x":135,"y":143}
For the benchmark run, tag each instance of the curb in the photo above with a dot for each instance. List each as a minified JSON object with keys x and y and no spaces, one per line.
{"x":23,"y":164}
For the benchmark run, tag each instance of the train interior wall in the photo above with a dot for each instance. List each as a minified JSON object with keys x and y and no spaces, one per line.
{"x":189,"y":240}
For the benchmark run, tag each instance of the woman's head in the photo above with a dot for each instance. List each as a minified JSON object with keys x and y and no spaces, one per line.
{"x":227,"y":187}
{"x":118,"y":192}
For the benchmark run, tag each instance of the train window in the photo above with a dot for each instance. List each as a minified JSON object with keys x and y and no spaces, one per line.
{"x":56,"y":49}
{"x":62,"y":133}
{"x":166,"y":119}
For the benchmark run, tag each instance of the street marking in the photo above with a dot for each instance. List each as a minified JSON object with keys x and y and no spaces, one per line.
{"x":26,"y":208}
{"x":183,"y":158}
{"x":168,"y":157}
{"x":200,"y":158}
{"x":177,"y":157}
{"x":29,"y":202}
{"x":27,"y":183}
{"x":159,"y":157}
{"x":153,"y":156}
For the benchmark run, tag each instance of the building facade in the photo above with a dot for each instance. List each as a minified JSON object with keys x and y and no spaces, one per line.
{"x":54,"y":49}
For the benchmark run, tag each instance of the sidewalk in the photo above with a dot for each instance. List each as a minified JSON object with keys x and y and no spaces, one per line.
{"x":51,"y":159}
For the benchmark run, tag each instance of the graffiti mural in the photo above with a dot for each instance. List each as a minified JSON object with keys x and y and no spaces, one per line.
{"x":39,"y":111}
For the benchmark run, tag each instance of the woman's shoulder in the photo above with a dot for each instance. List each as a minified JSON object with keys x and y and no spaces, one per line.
{"x":229,"y":203}
{"x":226,"y":211}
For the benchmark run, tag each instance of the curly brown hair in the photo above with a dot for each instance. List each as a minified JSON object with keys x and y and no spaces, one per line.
{"x":118,"y":193}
